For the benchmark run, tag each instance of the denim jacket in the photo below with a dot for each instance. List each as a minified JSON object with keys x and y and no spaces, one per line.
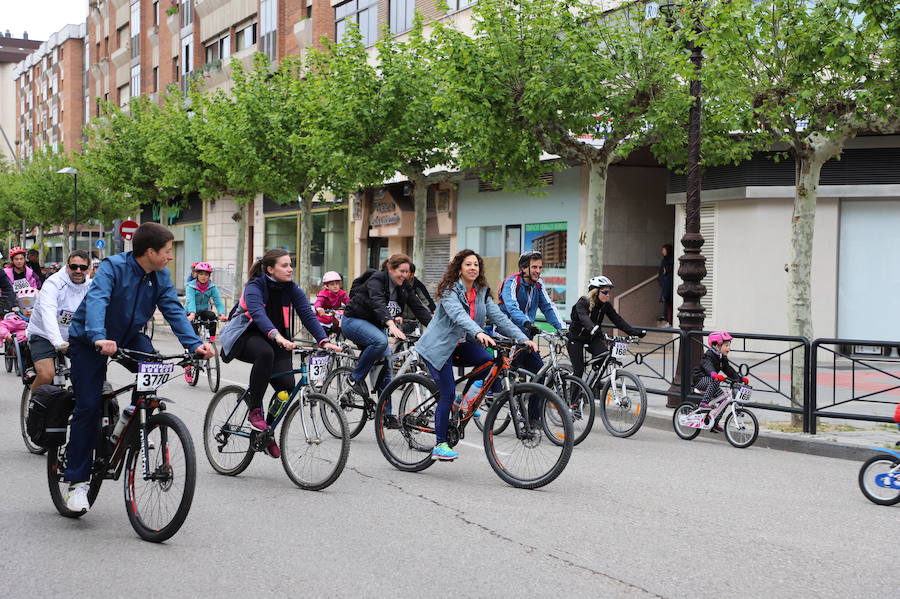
{"x":452,"y":324}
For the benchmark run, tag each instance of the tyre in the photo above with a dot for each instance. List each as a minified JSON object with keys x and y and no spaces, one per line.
{"x":413,"y":398}
{"x":741,"y":428}
{"x":337,"y":387}
{"x":226,"y":432}
{"x":682,"y":430}
{"x":23,"y":413}
{"x":623,"y":404}
{"x":527,"y":459}
{"x":9,"y":355}
{"x":158,"y":503}
{"x":56,"y":466}
{"x":879,"y":479}
{"x":214,"y":371}
{"x":311,"y":454}
{"x":576,"y":394}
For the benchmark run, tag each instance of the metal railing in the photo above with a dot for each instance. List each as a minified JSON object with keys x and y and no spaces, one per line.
{"x":656,"y":363}
{"x":620,"y":296}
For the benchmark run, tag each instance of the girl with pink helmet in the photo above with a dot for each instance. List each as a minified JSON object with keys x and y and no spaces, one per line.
{"x":714,"y":362}
{"x":331,"y":297}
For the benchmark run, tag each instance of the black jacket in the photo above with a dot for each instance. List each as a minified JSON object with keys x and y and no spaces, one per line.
{"x":584,"y":320}
{"x":7,"y":295}
{"x":713,"y":361}
{"x":370,"y":302}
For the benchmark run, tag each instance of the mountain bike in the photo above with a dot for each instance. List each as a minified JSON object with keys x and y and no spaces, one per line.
{"x":522,"y":455}
{"x":358,"y":410}
{"x":315,"y":440}
{"x":879,"y":477}
{"x":623,"y":398}
{"x":212,"y":366}
{"x":154,"y":450}
{"x":741,"y":427}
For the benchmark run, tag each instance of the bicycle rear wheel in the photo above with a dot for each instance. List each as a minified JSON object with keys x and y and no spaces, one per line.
{"x":23,"y":414}
{"x":312,"y":455}
{"x":679,"y":419}
{"x":9,"y":355}
{"x":623,"y":404}
{"x":337,"y":387}
{"x":879,"y":479}
{"x":575,"y":393}
{"x":527,"y":459}
{"x":213,"y":370}
{"x":56,"y":467}
{"x":408,"y":447}
{"x":158,"y":503}
{"x":226,"y":432}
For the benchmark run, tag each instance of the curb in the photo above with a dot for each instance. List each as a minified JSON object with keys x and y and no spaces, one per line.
{"x":660,"y":418}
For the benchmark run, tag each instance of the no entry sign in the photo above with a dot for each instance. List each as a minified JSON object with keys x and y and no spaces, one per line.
{"x":127,"y":229}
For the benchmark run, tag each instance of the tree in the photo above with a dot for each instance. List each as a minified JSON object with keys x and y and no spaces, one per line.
{"x":810,"y":75}
{"x":563,"y":78}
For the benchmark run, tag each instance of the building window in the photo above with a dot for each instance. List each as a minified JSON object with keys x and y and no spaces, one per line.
{"x":455,"y":5}
{"x":136,"y":80}
{"x":219,"y":49}
{"x":282,"y":232}
{"x":187,"y":12}
{"x":268,"y":26}
{"x":135,"y":30}
{"x":187,"y":59}
{"x":246,"y":37}
{"x":362,"y":12}
{"x":123,"y":95}
{"x":401,"y":13}
{"x":156,"y":13}
{"x":155,"y":79}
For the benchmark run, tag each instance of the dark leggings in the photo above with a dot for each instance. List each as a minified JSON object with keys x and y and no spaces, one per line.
{"x":465,"y":354}
{"x":576,"y":352}
{"x":711,"y":388}
{"x":206,"y":315}
{"x":266,"y":359}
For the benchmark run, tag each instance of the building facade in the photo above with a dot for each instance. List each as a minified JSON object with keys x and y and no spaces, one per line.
{"x":13,"y":50}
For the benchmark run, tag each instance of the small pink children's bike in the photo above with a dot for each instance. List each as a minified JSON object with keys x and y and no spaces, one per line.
{"x":741,"y":427}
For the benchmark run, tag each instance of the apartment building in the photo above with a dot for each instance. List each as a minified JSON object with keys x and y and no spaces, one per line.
{"x":49,"y":94}
{"x":12,"y":51}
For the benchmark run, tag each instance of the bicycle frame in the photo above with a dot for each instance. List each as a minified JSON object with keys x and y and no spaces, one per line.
{"x":712,"y":416}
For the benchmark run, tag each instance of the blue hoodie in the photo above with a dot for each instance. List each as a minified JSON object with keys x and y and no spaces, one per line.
{"x":134,"y":295}
{"x":520,"y":302}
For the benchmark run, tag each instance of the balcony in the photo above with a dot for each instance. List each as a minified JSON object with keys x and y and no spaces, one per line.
{"x":303,"y":32}
{"x":205,"y":8}
{"x":122,"y":56}
{"x":212,"y":74}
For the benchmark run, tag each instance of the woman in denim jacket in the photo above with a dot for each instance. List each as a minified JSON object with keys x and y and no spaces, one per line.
{"x":456,"y":337}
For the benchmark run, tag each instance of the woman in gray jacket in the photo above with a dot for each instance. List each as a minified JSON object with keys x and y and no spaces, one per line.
{"x":456,"y":337}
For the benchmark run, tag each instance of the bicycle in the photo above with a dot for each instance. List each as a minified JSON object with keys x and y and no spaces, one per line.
{"x":230,"y":443}
{"x":358,"y":409}
{"x":408,"y":446}
{"x":149,"y":328}
{"x":212,"y":366}
{"x":623,"y":398}
{"x":60,"y":379}
{"x":572,"y":389}
{"x":741,"y":427}
{"x":879,"y":477}
{"x":154,"y":450}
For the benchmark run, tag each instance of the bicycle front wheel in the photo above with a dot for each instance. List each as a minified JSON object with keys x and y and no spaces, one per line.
{"x":213,"y":371}
{"x":23,"y":414}
{"x":741,"y":428}
{"x":56,"y":467}
{"x":226,"y":432}
{"x":159,"y":498}
{"x":525,"y":458}
{"x":575,"y":393}
{"x":413,"y":398}
{"x":337,"y":387}
{"x":312,"y":455}
{"x":879,"y":479}
{"x":623,"y":404}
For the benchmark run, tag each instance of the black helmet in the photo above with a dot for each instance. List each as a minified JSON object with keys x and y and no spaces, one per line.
{"x":527,"y":256}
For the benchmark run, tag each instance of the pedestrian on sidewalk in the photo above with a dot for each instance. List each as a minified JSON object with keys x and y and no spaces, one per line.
{"x":665,"y":278}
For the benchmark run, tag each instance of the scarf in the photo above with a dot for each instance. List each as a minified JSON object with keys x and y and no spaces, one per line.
{"x":202,"y":287}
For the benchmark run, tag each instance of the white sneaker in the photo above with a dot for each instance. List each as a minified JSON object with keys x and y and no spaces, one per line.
{"x":77,"y":497}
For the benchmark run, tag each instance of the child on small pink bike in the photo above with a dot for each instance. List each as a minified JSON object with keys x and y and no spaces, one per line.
{"x":714,"y":362}
{"x":332,"y":298}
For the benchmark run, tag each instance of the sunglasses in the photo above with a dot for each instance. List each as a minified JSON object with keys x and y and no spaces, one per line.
{"x":81,"y":267}
{"x":603,"y":291}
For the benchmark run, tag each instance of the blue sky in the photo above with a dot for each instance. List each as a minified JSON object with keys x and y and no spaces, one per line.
{"x":40,"y":18}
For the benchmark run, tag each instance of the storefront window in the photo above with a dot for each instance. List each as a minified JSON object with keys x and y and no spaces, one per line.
{"x":281,"y":232}
{"x":329,"y":244}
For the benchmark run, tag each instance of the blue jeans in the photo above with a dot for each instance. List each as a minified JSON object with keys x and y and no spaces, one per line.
{"x":532,"y":362}
{"x":466,"y":354}
{"x":88,"y":373}
{"x":374,"y":343}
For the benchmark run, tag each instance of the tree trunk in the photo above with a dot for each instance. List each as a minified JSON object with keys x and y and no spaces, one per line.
{"x":164,"y":213}
{"x":596,"y":217}
{"x":40,"y":243}
{"x":240,"y":217}
{"x":306,"y":233}
{"x":420,"y":205}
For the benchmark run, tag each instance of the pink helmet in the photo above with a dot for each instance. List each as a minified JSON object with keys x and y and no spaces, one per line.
{"x":16,"y":250}
{"x":330,"y":277}
{"x":718,"y":337}
{"x":204,"y":266}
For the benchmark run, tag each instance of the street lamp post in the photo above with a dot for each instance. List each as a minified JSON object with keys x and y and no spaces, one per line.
{"x":71,"y":171}
{"x":692,"y":264}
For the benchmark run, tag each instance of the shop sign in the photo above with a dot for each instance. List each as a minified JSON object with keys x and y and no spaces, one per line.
{"x":384,"y":212}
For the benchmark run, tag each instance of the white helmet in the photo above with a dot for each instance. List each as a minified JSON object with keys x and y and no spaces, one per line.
{"x":598,"y":282}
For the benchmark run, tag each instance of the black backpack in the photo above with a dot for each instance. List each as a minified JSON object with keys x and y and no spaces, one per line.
{"x":359,"y":281}
{"x":48,"y":415}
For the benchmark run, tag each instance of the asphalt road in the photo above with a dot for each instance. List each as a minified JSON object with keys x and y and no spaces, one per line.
{"x":646,"y":516}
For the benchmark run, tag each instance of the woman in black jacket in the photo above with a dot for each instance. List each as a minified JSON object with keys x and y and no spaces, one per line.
{"x":666,"y":268}
{"x":374,"y":311}
{"x":587,"y":316}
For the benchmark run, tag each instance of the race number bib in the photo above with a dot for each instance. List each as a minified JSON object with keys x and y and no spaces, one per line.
{"x":394,"y":309}
{"x":619,"y":350}
{"x":743,"y":394}
{"x":64,"y":318}
{"x":318,"y":368}
{"x":153,"y":375}
{"x":21,"y":285}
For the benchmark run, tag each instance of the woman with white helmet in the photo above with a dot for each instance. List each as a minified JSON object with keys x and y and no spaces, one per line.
{"x":587,"y":316}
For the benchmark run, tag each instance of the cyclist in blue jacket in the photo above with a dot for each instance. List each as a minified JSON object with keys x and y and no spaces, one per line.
{"x":126,"y":291}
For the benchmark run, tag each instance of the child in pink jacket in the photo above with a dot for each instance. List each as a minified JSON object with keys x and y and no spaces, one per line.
{"x":332,"y":297}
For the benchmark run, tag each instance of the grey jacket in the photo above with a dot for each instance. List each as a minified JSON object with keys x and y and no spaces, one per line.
{"x":452,"y":324}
